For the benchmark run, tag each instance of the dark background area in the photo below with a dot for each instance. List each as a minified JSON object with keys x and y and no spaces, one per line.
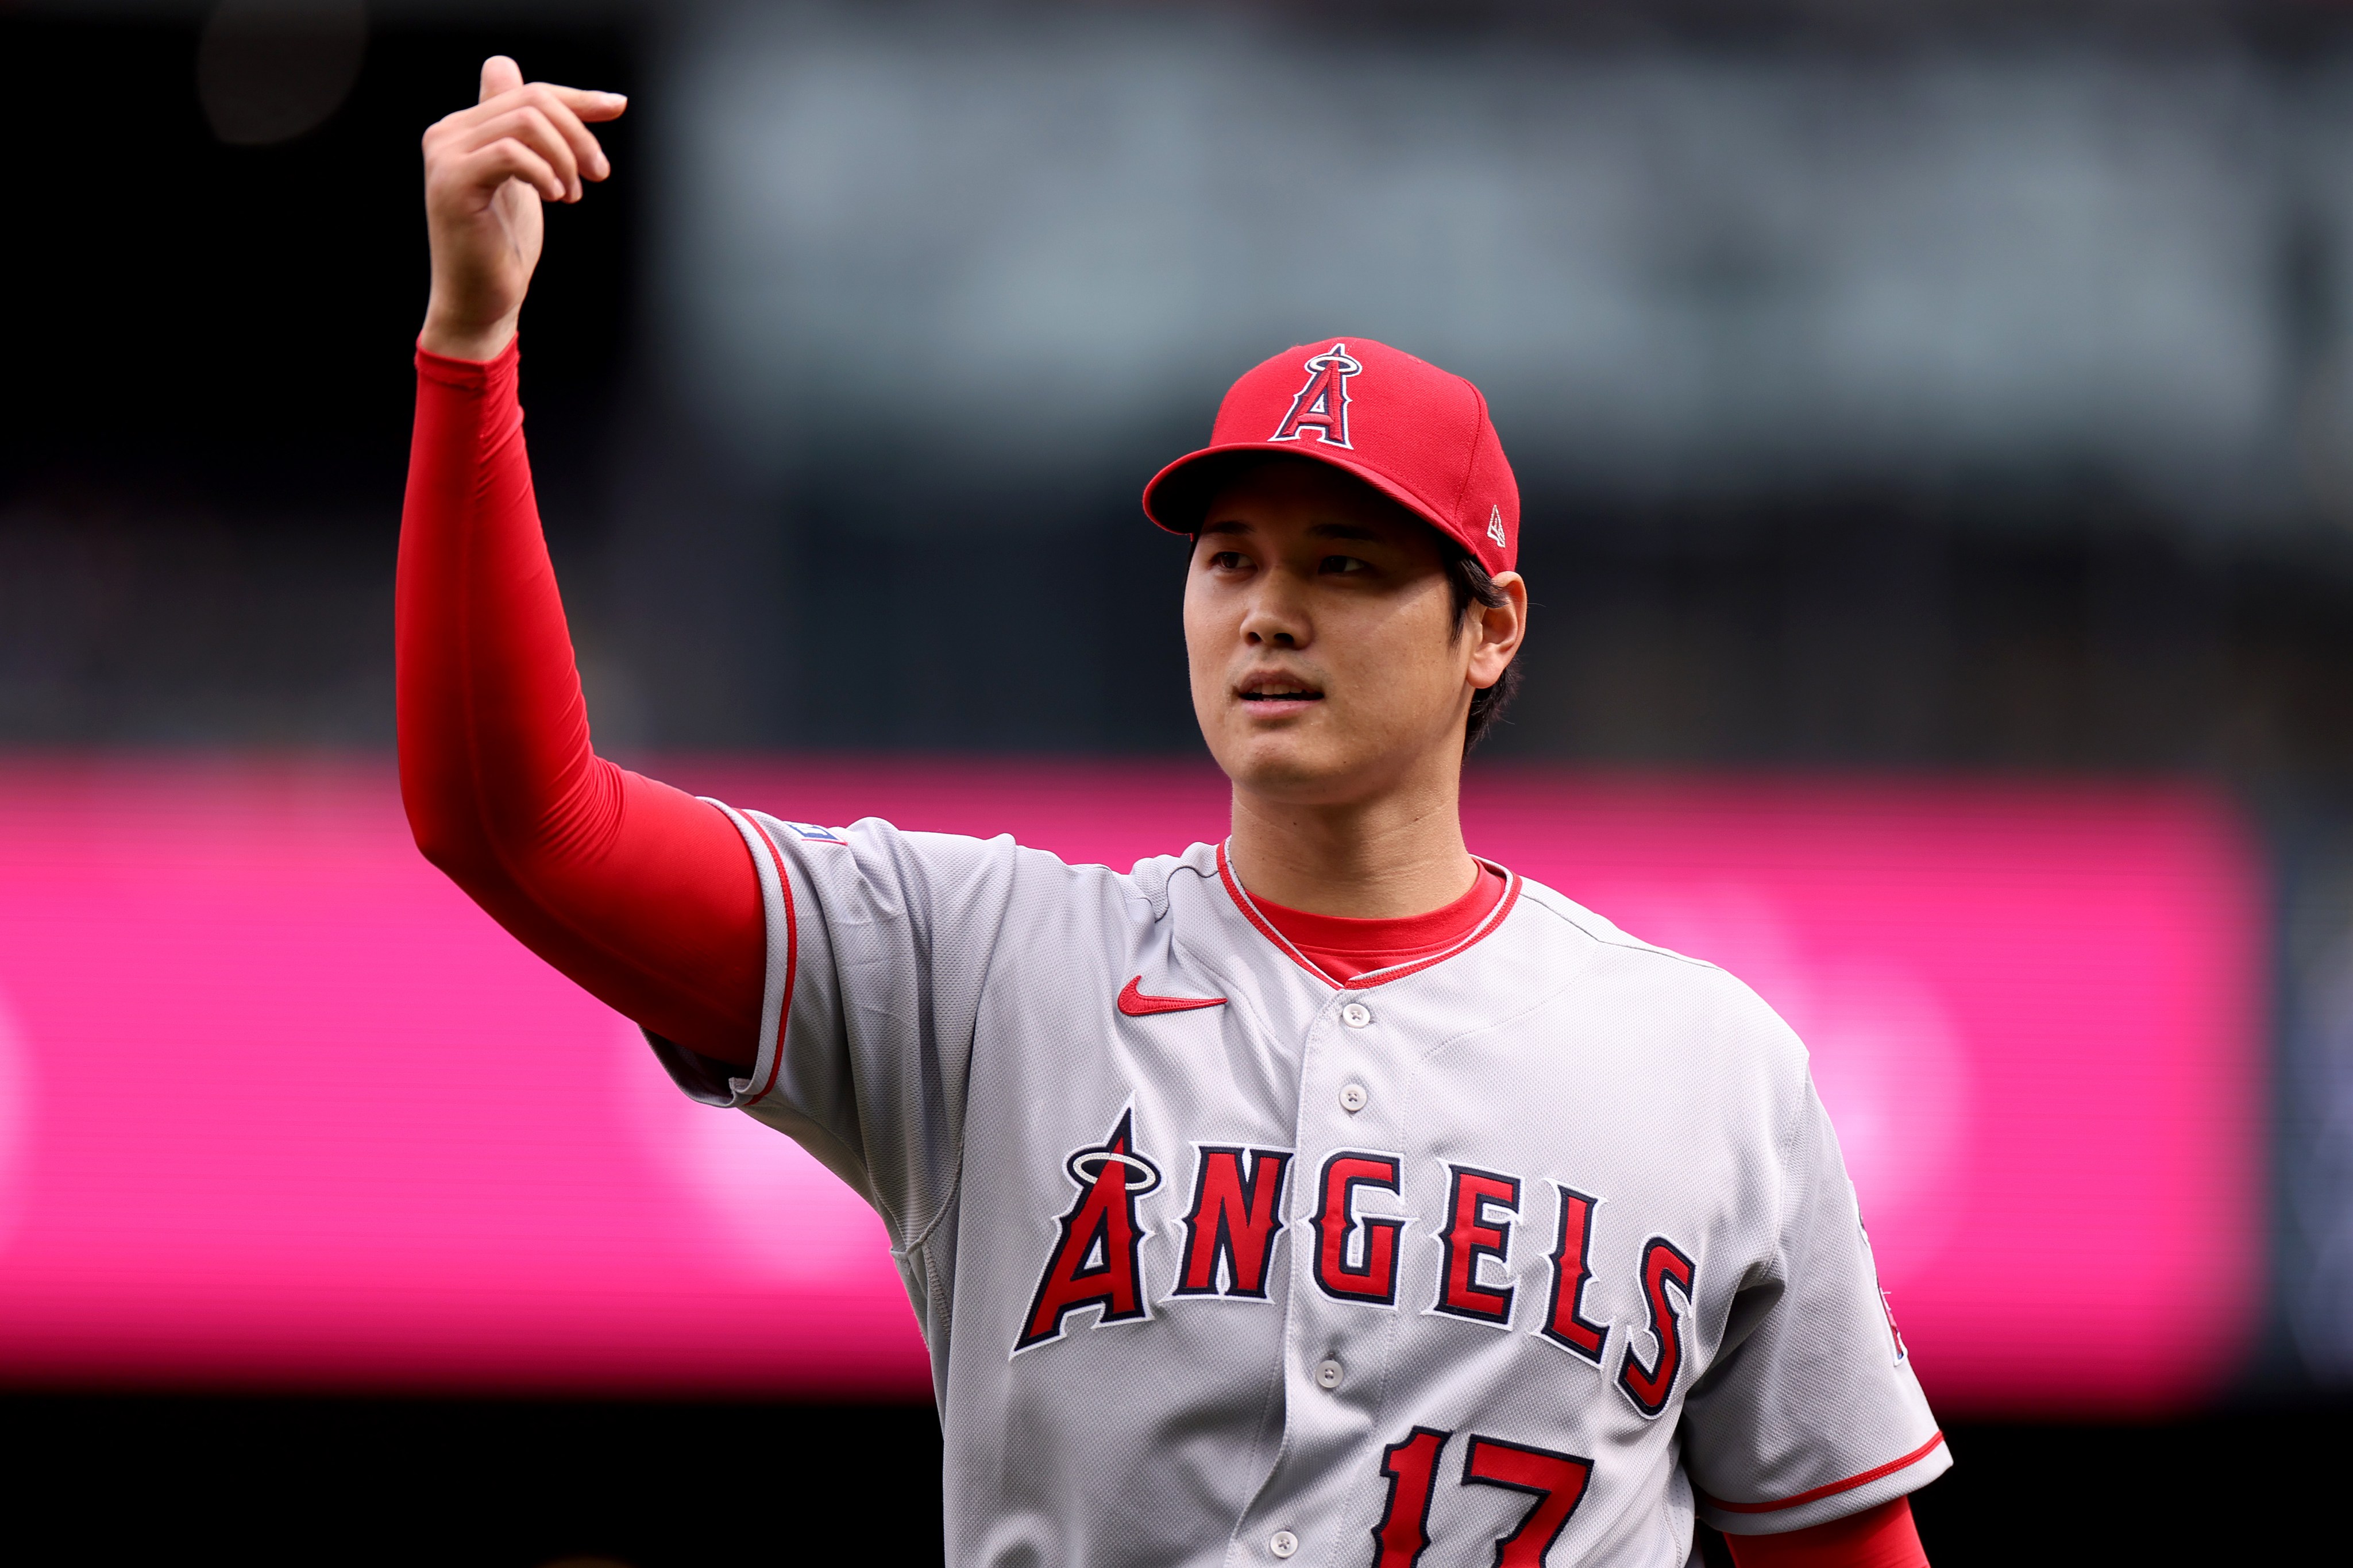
{"x":477,"y":1484}
{"x":200,"y":481}
{"x":199,"y":495}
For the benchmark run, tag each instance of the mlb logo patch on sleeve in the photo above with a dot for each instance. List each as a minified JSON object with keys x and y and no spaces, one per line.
{"x":810,"y":833}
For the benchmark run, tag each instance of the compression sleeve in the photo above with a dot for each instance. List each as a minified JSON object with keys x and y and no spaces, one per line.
{"x":640,"y":893}
{"x":1882,"y":1537}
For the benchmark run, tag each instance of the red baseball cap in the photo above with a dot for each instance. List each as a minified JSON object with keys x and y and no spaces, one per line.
{"x":1416,"y":433}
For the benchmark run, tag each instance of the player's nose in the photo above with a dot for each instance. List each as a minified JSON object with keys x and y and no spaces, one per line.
{"x":1276,"y":616}
{"x":1272,"y":631}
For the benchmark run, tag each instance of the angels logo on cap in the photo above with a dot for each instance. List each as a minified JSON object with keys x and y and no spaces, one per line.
{"x":1419,"y":435}
{"x":1322,"y":406}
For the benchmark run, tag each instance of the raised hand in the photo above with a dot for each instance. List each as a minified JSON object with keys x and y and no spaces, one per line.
{"x":487,"y":169}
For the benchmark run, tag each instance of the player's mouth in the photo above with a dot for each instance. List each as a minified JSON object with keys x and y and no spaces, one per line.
{"x":1271,"y":695}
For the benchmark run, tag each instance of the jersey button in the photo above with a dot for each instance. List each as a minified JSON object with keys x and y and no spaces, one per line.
{"x":1329,"y":1375}
{"x":1284,"y":1544}
{"x":1353,"y":1097}
{"x":1356,"y":1015}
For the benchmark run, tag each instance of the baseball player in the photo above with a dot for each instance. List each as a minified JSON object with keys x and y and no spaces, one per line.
{"x":1326,"y":1196}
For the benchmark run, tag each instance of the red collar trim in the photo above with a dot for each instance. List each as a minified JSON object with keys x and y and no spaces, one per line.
{"x":1371,"y":977}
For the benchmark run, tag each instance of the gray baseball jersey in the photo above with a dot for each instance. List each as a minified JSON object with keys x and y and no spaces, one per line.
{"x":1518,"y":1256}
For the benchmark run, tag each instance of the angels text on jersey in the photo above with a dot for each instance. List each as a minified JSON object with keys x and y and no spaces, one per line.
{"x":1235,"y":1214}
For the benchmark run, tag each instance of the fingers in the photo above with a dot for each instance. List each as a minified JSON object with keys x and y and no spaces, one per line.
{"x":589,"y":103}
{"x":550,"y":102}
{"x":488,"y":168}
{"x":551,"y":119}
{"x":499,"y":74}
{"x":533,"y":128}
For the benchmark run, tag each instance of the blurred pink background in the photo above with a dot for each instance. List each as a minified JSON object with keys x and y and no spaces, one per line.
{"x":280,"y":1107}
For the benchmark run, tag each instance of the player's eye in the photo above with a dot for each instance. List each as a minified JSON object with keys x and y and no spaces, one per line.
{"x":1338,"y":564}
{"x":1227,"y":561}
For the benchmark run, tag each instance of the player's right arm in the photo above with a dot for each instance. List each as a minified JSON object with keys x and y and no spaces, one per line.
{"x":640,"y":893}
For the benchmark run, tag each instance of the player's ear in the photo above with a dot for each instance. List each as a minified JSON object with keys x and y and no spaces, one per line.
{"x":499,"y":74}
{"x":1502,"y":627}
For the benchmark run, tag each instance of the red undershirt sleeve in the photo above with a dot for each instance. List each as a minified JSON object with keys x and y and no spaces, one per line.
{"x":1882,"y":1537}
{"x":640,"y":893}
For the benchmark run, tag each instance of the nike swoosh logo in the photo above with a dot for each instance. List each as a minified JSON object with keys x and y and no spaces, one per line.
{"x":1136,"y":1004}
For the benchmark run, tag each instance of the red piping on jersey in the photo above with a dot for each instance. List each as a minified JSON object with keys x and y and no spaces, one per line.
{"x":1265,"y":927}
{"x":1136,"y":1004}
{"x":792,"y":962}
{"x":1834,"y":1487}
{"x":1372,"y":977}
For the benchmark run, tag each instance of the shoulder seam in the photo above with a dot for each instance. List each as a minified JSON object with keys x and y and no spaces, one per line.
{"x":1622,"y":940}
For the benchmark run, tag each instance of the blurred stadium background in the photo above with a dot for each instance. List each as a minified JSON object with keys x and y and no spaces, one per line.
{"x":1936,"y":425}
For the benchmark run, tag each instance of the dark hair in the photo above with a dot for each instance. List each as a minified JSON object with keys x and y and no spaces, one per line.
{"x":1468,"y":580}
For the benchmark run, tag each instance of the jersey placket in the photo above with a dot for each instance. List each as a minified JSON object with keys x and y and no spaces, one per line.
{"x":1348,"y":1273}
